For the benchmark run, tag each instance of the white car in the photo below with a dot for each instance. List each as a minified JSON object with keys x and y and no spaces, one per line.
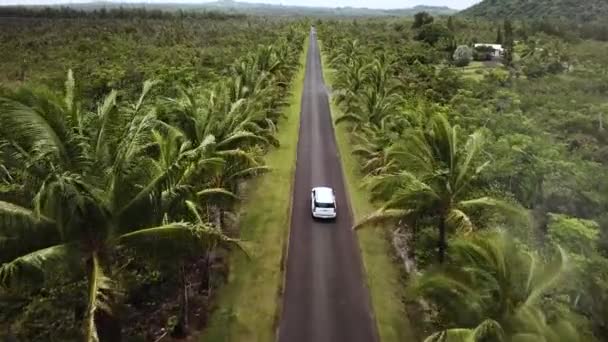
{"x":323,"y":202}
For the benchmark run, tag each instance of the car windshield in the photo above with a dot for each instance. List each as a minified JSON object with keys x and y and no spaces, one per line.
{"x":324,"y":205}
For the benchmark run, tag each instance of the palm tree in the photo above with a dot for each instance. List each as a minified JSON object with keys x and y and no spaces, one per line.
{"x":433,"y":178}
{"x":369,"y":92}
{"x":488,"y":330}
{"x":227,"y":135}
{"x":346,"y":54}
{"x":349,"y":80}
{"x":500,"y":285}
{"x":90,"y":188}
{"x":372,"y":144}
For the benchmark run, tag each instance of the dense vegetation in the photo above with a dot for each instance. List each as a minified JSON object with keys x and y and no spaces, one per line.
{"x":126,"y":136}
{"x":524,"y":9}
{"x":123,"y":145}
{"x":229,"y":7}
{"x":569,"y":19}
{"x":495,"y":172}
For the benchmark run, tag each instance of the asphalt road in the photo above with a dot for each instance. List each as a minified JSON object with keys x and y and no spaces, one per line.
{"x":325,"y":299}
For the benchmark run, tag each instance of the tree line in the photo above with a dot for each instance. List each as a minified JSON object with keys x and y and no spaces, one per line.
{"x":119,"y":12}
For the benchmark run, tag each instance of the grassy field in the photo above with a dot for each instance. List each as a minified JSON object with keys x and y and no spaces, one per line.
{"x":475,"y":70}
{"x":382,"y":272}
{"x":248,"y":304}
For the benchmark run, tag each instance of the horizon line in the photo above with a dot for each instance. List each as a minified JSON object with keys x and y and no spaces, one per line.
{"x":185,"y":2}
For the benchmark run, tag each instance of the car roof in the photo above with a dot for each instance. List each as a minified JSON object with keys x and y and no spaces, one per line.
{"x":324,"y":194}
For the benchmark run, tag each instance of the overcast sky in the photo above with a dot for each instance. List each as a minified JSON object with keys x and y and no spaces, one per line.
{"x":457,"y":4}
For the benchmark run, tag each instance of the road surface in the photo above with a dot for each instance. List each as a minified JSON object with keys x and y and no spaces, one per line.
{"x":325,"y":299}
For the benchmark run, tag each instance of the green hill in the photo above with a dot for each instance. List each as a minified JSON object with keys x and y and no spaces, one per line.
{"x":578,"y":10}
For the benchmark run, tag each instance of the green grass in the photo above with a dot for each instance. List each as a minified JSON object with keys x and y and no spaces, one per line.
{"x":475,"y":70}
{"x":382,"y":272}
{"x":248,"y":304}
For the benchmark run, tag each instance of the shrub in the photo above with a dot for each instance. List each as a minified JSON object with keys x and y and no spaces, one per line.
{"x":462,"y":56}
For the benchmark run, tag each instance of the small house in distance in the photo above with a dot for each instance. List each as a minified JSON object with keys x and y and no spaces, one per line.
{"x":493,"y":50}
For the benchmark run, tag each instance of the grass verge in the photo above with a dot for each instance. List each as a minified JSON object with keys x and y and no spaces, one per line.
{"x":247,"y":304}
{"x":383,"y":274}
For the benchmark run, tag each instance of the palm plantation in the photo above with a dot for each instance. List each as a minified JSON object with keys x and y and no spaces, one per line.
{"x":151,"y":177}
{"x":89,"y":179}
{"x":419,"y":168}
{"x":426,"y":167}
{"x":119,"y":195}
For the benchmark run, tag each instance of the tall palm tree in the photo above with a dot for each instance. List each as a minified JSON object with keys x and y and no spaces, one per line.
{"x":227,"y":135}
{"x":433,"y":177}
{"x":502,"y":287}
{"x":90,"y":188}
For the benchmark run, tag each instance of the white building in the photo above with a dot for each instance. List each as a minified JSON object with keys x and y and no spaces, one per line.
{"x":498,"y":49}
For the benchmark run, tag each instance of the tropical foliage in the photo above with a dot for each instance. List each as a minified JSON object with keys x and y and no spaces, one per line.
{"x":108,"y":196}
{"x":494,"y":172}
{"x":545,"y":8}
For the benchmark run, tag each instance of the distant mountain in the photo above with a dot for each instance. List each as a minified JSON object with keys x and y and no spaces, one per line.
{"x":579,"y":10}
{"x":231,"y":6}
{"x":434,"y":10}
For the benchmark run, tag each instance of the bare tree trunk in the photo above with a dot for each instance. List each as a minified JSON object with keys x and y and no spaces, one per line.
{"x":414,"y":243}
{"x":205,"y":281}
{"x":222,"y":219}
{"x":442,"y":240}
{"x":216,"y":214}
{"x":9,"y":337}
{"x":23,"y":71}
{"x":109,"y":326}
{"x":401,"y":243}
{"x":182,"y":327}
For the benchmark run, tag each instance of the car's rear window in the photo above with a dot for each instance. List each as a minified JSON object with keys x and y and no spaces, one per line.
{"x":324,"y":205}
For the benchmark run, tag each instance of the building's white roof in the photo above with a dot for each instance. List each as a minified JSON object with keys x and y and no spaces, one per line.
{"x":324,"y":194}
{"x":494,"y":46}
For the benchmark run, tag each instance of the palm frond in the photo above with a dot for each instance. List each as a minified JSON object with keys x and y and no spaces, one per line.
{"x":35,"y":265}
{"x":24,"y":230}
{"x":543,"y":278}
{"x":382,"y":216}
{"x":471,"y":150}
{"x":348,"y":118}
{"x":239,"y":154}
{"x":528,"y":337}
{"x":194,"y":210}
{"x":23,"y":123}
{"x":177,"y":238}
{"x":70,"y":84}
{"x":459,"y":221}
{"x":241,"y":136}
{"x":443,"y":288}
{"x":256,"y":170}
{"x":148,"y":84}
{"x":514,"y":212}
{"x":488,"y":330}
{"x":217,"y":192}
{"x":106,"y":120}
{"x":70,"y":104}
{"x":10,"y":210}
{"x":142,"y":195}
